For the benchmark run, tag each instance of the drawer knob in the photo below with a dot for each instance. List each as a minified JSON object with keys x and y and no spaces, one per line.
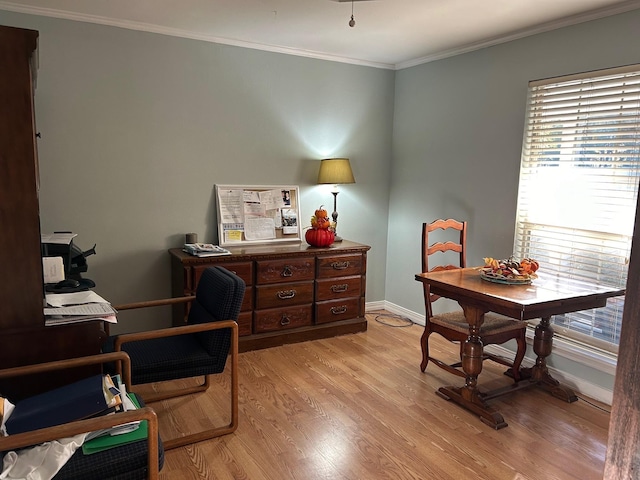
{"x":339,"y":288}
{"x":339,"y":310}
{"x":286,"y":271}
{"x":285,"y":320}
{"x":286,"y":294}
{"x":340,"y":265}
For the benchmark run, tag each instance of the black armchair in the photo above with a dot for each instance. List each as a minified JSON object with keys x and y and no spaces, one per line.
{"x":138,"y":460}
{"x":199,"y":348}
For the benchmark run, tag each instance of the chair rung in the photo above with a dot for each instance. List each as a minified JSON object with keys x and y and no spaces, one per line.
{"x":199,"y":437}
{"x":158,"y":396}
{"x":448,"y":367}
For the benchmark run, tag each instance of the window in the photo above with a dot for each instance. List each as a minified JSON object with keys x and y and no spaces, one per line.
{"x":578,"y":188}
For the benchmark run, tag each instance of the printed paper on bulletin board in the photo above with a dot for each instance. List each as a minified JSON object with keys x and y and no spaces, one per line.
{"x":258,"y":214}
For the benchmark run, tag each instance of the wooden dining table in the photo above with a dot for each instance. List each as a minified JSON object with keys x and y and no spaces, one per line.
{"x":545,"y":296}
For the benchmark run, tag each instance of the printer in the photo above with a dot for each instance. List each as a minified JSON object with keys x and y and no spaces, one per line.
{"x":74,"y":259}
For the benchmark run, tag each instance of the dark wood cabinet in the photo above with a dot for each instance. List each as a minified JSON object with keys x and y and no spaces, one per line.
{"x":294,"y":292}
{"x":24,"y":339}
{"x":21,"y":295}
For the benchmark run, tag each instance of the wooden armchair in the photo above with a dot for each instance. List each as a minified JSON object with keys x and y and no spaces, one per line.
{"x":197,"y":349}
{"x":138,"y":460}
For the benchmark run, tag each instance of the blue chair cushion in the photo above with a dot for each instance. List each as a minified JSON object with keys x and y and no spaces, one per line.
{"x":169,"y":358}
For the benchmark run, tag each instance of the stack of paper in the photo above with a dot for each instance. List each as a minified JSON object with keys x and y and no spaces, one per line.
{"x":205,"y":249}
{"x":99,"y":440}
{"x":118,"y":435}
{"x":63,"y":308}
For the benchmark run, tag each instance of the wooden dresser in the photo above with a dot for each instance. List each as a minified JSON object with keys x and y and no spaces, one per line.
{"x":294,"y":292}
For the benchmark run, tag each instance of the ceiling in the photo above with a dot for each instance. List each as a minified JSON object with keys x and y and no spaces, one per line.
{"x":389,"y":34}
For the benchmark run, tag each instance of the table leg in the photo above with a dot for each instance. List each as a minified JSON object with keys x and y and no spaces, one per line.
{"x":469,"y":396}
{"x":539,"y":373}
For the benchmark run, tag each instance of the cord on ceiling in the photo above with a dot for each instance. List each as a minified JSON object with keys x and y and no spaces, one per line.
{"x":352,"y":22}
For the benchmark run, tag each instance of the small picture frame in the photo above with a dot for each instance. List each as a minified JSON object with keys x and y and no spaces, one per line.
{"x":256,"y":214}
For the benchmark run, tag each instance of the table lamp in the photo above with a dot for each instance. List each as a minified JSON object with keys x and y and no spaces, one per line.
{"x":335,"y":171}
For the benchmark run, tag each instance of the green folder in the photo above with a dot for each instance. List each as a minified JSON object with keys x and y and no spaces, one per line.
{"x":107,"y":441}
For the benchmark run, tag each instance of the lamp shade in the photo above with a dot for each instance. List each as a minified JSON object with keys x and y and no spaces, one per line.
{"x":335,"y":171}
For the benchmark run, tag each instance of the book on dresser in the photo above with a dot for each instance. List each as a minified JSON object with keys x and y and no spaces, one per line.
{"x":205,"y":250}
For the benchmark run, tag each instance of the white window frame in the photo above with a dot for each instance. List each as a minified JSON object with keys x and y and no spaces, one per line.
{"x":578,"y":187}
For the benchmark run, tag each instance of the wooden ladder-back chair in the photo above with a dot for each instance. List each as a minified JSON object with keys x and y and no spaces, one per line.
{"x":198,"y":349}
{"x":453,"y":326}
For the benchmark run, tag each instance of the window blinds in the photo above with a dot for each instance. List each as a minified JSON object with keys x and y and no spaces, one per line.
{"x":578,"y":188}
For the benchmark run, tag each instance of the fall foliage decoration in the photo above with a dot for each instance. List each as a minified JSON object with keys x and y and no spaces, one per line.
{"x":511,"y":269}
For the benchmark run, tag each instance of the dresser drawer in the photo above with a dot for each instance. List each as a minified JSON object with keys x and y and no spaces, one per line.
{"x":287,"y":270}
{"x":244,"y":323}
{"x":242,"y":269}
{"x":282,"y":318}
{"x":343,"y":287}
{"x":279,"y":295}
{"x":334,"y":310}
{"x":340,"y":265}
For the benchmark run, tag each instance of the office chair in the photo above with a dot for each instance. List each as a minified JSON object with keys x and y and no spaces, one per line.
{"x":453,"y":326}
{"x":197,"y":349}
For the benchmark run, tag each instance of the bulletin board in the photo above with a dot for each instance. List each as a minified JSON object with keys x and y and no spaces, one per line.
{"x":251,"y":214}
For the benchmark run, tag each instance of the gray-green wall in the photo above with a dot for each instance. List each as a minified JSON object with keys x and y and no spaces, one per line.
{"x":457,"y":143}
{"x":137,"y":128}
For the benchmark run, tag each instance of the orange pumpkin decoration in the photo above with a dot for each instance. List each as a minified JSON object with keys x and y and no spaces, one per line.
{"x":320,"y":219}
{"x":318,"y":237}
{"x":323,"y":223}
{"x":321,"y":212}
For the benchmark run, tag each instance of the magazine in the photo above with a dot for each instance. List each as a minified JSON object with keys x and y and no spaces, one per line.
{"x":205,"y":250}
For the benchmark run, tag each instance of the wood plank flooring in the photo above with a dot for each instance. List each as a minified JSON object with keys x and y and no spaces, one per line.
{"x":357,"y":407}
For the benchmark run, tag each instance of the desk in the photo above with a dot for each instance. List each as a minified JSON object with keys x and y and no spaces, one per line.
{"x":545,"y":297}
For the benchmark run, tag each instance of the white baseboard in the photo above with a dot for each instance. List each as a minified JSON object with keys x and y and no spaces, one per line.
{"x":561,"y":348}
{"x":374,"y":306}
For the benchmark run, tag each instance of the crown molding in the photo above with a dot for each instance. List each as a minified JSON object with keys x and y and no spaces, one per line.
{"x":547,"y":27}
{"x":174,"y":32}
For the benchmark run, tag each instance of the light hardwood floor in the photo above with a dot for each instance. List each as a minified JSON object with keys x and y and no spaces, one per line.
{"x":357,"y":407}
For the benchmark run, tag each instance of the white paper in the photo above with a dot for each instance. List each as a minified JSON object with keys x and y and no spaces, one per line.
{"x":230,"y":202}
{"x":252,"y":196}
{"x":76,"y":298}
{"x":59,"y":238}
{"x":271,"y":199}
{"x":96,"y":309}
{"x":53,"y":269}
{"x":254,"y":210}
{"x":259,"y":228}
{"x":52,"y":321}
